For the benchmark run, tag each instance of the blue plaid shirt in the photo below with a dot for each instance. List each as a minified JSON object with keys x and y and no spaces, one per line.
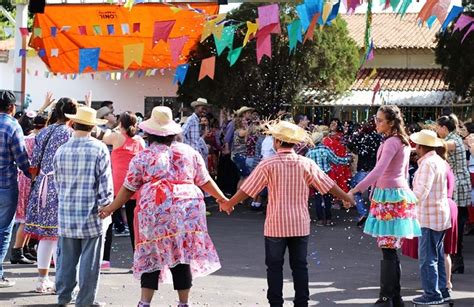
{"x":12,"y":151}
{"x":192,"y":131}
{"x":323,"y":156}
{"x":83,"y":178}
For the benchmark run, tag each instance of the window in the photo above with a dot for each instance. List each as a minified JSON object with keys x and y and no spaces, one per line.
{"x":171,"y":102}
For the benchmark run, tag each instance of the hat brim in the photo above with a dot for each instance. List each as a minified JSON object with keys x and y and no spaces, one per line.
{"x":240,"y":112}
{"x":96,"y":122}
{"x":299,"y":138}
{"x":417,"y":138}
{"x":151,"y":127}
{"x":196,"y":104}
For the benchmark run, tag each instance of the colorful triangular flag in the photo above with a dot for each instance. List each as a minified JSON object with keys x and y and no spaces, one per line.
{"x":162,"y":30}
{"x":176,"y":47}
{"x":133,"y":53}
{"x":234,"y":55}
{"x":88,"y":57}
{"x":207,"y":68}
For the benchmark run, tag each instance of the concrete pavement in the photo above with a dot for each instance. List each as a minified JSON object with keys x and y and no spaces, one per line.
{"x":343,"y":267}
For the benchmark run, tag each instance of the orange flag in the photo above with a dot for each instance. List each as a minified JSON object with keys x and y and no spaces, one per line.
{"x":207,"y":68}
{"x":310,"y":32}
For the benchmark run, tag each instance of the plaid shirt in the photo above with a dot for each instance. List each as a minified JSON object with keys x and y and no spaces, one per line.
{"x":192,"y":131}
{"x":83,"y":178}
{"x":12,"y":151}
{"x":431,"y":188}
{"x":458,"y":162}
{"x":288,"y":177}
{"x":323,"y":156}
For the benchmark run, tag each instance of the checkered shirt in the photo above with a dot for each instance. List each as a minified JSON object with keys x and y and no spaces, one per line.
{"x":83,"y":178}
{"x":324,"y":157}
{"x":288,"y":177}
{"x":431,"y":189}
{"x":192,"y":131}
{"x":458,"y":162}
{"x":12,"y":151}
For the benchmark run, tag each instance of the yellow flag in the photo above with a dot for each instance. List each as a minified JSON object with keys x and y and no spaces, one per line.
{"x":251,"y":29}
{"x":217,"y":31}
{"x":327,"y":8}
{"x":175,"y":9}
{"x":211,"y":28}
{"x":129,"y":4}
{"x":370,"y":76}
{"x":133,"y":53}
{"x":31,"y":53}
{"x":206,"y":31}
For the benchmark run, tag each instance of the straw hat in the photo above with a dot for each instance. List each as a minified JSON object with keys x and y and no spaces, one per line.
{"x":317,"y":137}
{"x":104,"y":111}
{"x":242,"y":110}
{"x":289,"y":133}
{"x":427,"y":138}
{"x":86,"y":116}
{"x":161,"y":123}
{"x":199,"y":102}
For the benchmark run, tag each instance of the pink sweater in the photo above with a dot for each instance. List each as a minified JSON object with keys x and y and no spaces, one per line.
{"x":391,"y":169}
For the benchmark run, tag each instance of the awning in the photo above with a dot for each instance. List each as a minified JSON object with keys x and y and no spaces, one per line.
{"x":66,"y":29}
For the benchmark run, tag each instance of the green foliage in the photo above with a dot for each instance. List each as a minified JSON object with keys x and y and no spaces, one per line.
{"x":457,"y":58}
{"x":329,"y":63}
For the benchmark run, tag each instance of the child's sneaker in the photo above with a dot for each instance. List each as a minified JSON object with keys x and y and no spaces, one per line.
{"x":45,"y":286}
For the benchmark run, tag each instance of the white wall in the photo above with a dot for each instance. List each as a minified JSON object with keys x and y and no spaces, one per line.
{"x":126,"y":94}
{"x":403,"y":59}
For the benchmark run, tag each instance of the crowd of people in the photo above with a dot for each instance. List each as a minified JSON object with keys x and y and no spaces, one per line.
{"x":73,"y":177}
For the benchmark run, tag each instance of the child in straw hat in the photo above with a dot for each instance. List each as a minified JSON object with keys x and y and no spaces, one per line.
{"x":288,"y":177}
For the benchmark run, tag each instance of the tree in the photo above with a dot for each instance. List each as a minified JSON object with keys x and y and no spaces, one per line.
{"x":457,"y":57}
{"x":329,"y":62}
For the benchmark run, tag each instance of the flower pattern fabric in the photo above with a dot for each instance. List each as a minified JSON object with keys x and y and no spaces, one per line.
{"x":170,"y":218}
{"x":24,"y":183}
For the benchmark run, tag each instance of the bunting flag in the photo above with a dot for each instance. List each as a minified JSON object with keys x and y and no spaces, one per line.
{"x":455,"y":11}
{"x":54,"y":52}
{"x":370,"y":52}
{"x":334,"y":13}
{"x":176,"y":47}
{"x":22,"y":53}
{"x":175,"y":9}
{"x":234,"y":55}
{"x":125,"y":28}
{"x":430,"y":21}
{"x":376,"y":90}
{"x":162,"y":30}
{"x":31,"y":53}
{"x":211,"y":28}
{"x":263,"y":32}
{"x":97,"y":29}
{"x":24,"y":32}
{"x":88,"y":57}
{"x":251,"y":30}
{"x":294,"y":34}
{"x":54,"y":31}
{"x":133,"y":53}
{"x":353,"y":5}
{"x":440,"y":10}
{"x":207,"y":68}
{"x":180,"y":73}
{"x":302,"y":12}
{"x":65,"y":28}
{"x":217,"y":31}
{"x":9,"y":31}
{"x":226,"y":40}
{"x":136,"y":27}
{"x":462,"y":22}
{"x":82,"y":30}
{"x":368,"y":25}
{"x":268,"y":14}
{"x":471,"y":28}
{"x":404,"y":7}
{"x":310,"y":32}
{"x":110,"y":29}
{"x":37,"y":32}
{"x":372,"y":74}
{"x":394,"y":4}
{"x":425,"y":11}
{"x":42,"y":53}
{"x":264,"y":47}
{"x":327,"y":9}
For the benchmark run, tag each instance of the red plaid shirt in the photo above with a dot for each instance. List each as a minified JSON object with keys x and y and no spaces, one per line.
{"x":288,"y":177}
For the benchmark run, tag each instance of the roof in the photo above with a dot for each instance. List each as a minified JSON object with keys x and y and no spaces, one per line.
{"x":397,"y":79}
{"x":390,"y":31}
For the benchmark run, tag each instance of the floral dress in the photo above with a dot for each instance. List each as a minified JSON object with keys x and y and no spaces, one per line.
{"x":24,"y":183}
{"x":170,"y":217}
{"x":42,"y":209}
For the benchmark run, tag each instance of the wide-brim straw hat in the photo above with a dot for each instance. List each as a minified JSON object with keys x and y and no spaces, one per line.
{"x":427,"y":138}
{"x":199,"y":102}
{"x":86,"y":116}
{"x":289,"y":132}
{"x":161,"y":123}
{"x":242,"y":110}
{"x":104,"y":111}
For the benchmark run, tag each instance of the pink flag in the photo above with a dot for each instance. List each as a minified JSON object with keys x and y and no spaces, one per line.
{"x":440,"y":10}
{"x":426,"y":10}
{"x":462,"y":22}
{"x":82,"y":30}
{"x":207,"y":68}
{"x":271,"y":28}
{"x":136,"y":27}
{"x":467,"y":33}
{"x":162,"y":30}
{"x":264,"y":47}
{"x":176,"y":46}
{"x":376,"y":90}
{"x":24,"y":31}
{"x":268,"y":14}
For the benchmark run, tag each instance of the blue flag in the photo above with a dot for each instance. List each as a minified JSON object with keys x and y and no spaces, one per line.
{"x":455,"y":11}
{"x":334,"y":12}
{"x":88,"y":57}
{"x":180,"y":73}
{"x":303,"y":15}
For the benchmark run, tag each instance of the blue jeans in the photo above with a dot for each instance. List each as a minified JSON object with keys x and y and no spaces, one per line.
{"x":8,"y":204}
{"x":431,"y":260}
{"x":359,"y":200}
{"x":274,"y":258}
{"x":317,"y":201}
{"x":69,"y":252}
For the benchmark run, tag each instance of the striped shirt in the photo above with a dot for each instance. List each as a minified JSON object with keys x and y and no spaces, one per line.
{"x":192,"y":131}
{"x":431,"y":189}
{"x":83,"y":178}
{"x":288,"y":177}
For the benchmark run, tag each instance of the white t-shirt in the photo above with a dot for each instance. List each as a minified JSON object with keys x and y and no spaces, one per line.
{"x":267,"y":147}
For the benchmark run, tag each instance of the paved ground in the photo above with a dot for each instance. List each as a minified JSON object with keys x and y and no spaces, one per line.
{"x":344,"y":270}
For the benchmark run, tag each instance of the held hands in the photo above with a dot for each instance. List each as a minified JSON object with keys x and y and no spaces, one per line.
{"x":351,"y":201}
{"x":225,"y":205}
{"x":105,"y":211}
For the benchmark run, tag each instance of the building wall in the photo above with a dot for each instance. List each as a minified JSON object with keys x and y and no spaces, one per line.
{"x":402,"y":58}
{"x":126,"y":94}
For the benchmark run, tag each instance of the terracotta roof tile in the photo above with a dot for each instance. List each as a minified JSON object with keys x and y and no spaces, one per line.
{"x":390,"y":31}
{"x":397,"y":79}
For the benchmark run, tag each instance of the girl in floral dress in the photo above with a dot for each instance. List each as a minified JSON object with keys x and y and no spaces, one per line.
{"x":42,"y":208}
{"x":170,"y":219}
{"x":392,"y":214}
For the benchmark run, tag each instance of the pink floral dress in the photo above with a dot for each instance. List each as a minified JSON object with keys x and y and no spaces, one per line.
{"x":170,"y":217}
{"x":24,"y":183}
